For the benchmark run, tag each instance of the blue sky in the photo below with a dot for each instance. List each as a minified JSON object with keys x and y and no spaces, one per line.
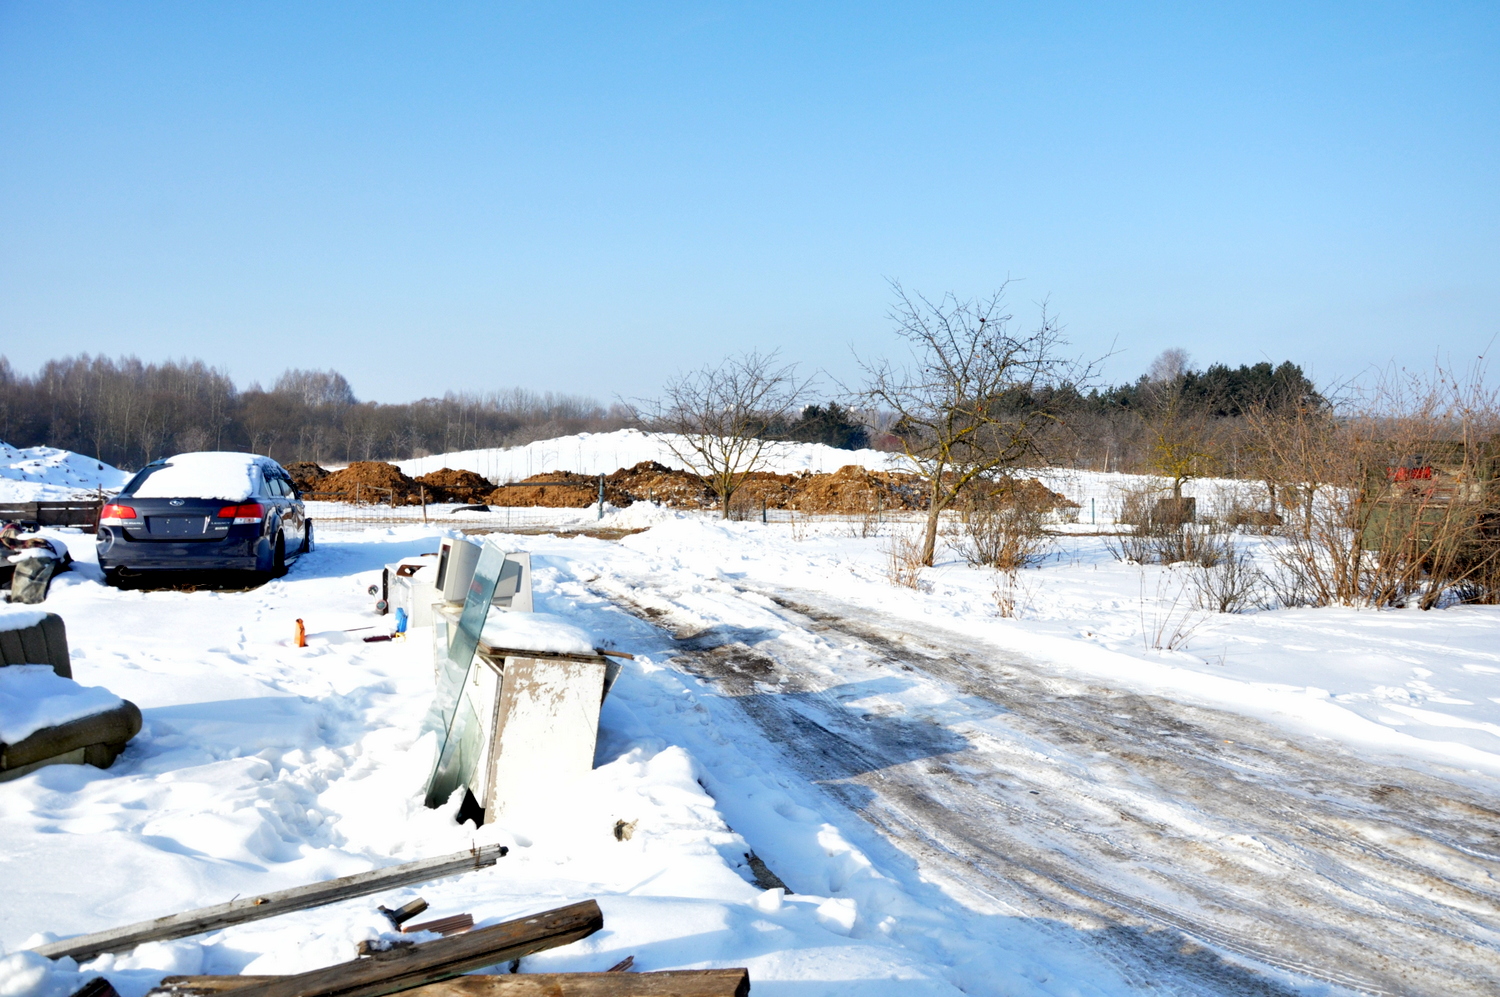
{"x":586,"y":198}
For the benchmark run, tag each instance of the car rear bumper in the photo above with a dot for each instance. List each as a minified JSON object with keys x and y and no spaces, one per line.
{"x":232,"y":553}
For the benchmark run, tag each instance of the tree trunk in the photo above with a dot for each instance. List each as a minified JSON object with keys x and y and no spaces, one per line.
{"x":934,"y":511}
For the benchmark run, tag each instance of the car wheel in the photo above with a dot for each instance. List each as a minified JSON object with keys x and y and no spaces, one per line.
{"x":113,"y":578}
{"x":278,"y":557}
{"x":307,"y":537}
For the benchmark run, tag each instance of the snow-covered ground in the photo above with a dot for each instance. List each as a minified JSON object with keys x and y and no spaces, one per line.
{"x":45,"y":474}
{"x":1292,"y":801}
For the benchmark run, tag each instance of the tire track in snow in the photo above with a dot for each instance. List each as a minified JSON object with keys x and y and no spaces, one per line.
{"x":1156,"y":827}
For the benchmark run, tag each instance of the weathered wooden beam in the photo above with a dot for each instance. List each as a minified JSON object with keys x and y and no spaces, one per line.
{"x":239,"y":911}
{"x":677,"y":983}
{"x":441,"y":959}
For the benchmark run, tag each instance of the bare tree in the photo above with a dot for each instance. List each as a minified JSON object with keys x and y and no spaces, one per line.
{"x":1170,"y":366}
{"x":715,"y":419}
{"x":967,"y":405}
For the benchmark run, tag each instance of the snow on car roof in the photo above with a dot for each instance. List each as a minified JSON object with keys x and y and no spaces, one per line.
{"x":230,"y":477}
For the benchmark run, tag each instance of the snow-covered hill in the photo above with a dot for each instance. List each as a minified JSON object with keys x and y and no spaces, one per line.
{"x":601,"y":453}
{"x":46,"y":474}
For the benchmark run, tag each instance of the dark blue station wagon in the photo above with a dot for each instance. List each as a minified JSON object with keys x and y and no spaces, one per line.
{"x":204,"y":511}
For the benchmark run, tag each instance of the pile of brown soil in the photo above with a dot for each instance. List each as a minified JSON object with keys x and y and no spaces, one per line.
{"x":368,"y":481}
{"x":553,"y":490}
{"x":305,"y":475}
{"x":1029,"y":494}
{"x":448,"y":485}
{"x":649,"y":481}
{"x":854,"y":489}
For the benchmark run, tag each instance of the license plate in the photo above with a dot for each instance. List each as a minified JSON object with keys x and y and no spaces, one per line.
{"x":177,"y":526}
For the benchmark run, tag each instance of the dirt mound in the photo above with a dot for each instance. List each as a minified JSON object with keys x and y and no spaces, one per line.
{"x":649,"y":481}
{"x":855,"y":489}
{"x":449,"y":485}
{"x":369,"y":481}
{"x":305,"y":475}
{"x":553,"y":490}
{"x":1029,"y":494}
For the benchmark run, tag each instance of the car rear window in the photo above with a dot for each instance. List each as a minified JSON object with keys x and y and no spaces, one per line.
{"x":228,"y":477}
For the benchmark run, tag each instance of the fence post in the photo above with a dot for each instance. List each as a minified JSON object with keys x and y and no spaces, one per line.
{"x":601,"y":495}
{"x":422,"y":492}
{"x":762,"y":510}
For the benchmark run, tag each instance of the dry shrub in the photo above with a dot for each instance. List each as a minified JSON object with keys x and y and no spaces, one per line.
{"x":1001,"y":524}
{"x":1205,"y":545}
{"x":1134,"y":507}
{"x":1231,"y":585}
{"x":1242,"y":517}
{"x":904,"y":559}
{"x":1396,"y":499}
{"x":1168,"y":625}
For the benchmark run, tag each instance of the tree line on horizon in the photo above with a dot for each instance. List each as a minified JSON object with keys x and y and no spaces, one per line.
{"x":127,"y":412}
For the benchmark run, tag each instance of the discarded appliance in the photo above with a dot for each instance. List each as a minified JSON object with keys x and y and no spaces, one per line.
{"x":420,"y":585}
{"x":518,"y":693}
{"x":45,"y":717}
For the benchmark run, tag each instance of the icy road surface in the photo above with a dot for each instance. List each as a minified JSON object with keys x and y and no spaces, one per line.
{"x":1153,"y":826}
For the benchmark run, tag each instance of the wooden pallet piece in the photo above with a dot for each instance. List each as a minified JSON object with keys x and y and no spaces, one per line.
{"x":674,"y":983}
{"x":437,"y":960}
{"x":194,"y":922}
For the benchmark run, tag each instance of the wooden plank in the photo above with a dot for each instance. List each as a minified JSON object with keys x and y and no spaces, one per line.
{"x":442,"y":925}
{"x":440,"y":959}
{"x":239,"y":911}
{"x":675,"y":983}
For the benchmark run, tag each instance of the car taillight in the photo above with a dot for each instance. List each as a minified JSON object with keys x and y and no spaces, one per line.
{"x":250,"y":512}
{"x":112,"y":514}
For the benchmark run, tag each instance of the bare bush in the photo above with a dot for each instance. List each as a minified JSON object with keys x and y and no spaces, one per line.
{"x":1001,"y":529}
{"x":1396,"y":500}
{"x":1167,"y":625}
{"x":904,"y":558}
{"x":1231,"y":585}
{"x":1205,"y":545}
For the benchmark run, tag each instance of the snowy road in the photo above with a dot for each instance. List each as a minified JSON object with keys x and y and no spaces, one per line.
{"x":1151,"y":827}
